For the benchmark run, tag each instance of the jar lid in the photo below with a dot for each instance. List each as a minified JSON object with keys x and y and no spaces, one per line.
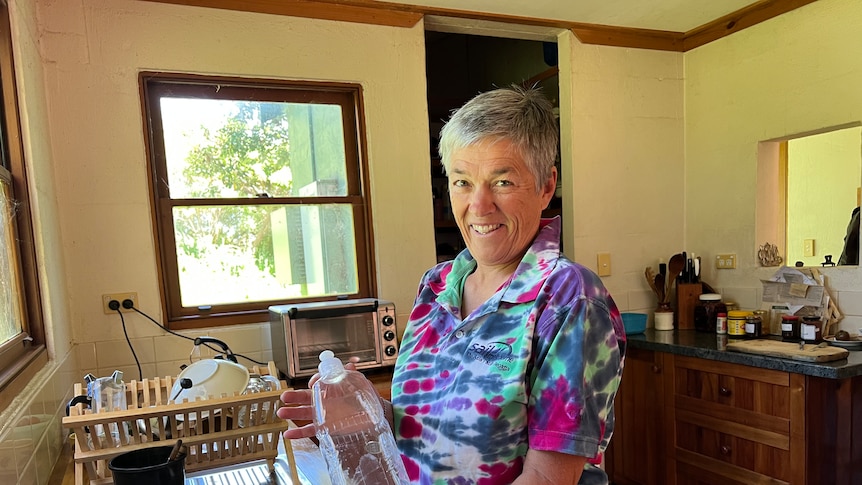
{"x":710,"y":297}
{"x":792,"y":318}
{"x":738,"y":314}
{"x":811,"y":318}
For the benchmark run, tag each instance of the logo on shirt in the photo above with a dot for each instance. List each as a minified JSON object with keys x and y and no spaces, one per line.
{"x":497,"y":354}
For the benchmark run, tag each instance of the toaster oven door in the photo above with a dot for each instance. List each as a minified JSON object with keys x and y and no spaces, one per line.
{"x":348,"y":336}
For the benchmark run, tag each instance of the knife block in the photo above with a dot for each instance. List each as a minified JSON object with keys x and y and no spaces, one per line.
{"x":687,"y":296}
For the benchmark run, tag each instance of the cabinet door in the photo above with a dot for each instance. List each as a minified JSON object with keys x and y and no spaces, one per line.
{"x":636,"y":452}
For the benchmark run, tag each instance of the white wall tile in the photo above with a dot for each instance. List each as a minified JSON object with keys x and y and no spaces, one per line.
{"x":850,"y":302}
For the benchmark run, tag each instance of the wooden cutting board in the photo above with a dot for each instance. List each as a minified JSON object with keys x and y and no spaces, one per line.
{"x":790,"y":350}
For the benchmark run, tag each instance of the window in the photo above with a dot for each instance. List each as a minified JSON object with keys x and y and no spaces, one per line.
{"x":259,"y":195}
{"x":22,"y":339}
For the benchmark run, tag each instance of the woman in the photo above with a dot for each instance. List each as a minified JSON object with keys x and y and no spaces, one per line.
{"x":512,"y":354}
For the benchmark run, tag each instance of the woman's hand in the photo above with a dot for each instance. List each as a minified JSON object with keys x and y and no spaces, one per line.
{"x":298,"y":406}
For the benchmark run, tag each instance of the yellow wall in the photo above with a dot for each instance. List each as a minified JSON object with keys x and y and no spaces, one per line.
{"x":793,"y":74}
{"x":823,"y":172}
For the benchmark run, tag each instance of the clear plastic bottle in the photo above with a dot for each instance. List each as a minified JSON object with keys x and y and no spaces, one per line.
{"x":355,"y":437}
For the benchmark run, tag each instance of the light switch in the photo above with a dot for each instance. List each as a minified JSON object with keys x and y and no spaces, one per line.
{"x":808,"y":248}
{"x":604,"y":264}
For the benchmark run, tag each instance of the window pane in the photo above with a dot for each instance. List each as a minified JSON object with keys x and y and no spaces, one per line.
{"x":236,"y":254}
{"x":10,"y":302}
{"x":228,"y":149}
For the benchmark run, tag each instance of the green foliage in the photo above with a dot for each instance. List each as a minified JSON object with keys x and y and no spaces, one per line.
{"x":239,"y":160}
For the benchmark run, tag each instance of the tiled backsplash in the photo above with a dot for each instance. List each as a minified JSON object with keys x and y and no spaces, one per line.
{"x":163,"y":355}
{"x":849,"y":303}
{"x":31,"y":434}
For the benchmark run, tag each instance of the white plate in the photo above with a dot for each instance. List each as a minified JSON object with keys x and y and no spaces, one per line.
{"x":847,"y":344}
{"x":210,"y":377}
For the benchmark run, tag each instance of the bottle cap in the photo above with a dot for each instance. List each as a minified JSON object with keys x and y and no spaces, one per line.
{"x":330,"y":365}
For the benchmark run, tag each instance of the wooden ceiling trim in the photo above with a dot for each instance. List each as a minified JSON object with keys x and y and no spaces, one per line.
{"x":661,"y":40}
{"x":403,"y":15}
{"x":325,"y":10}
{"x":741,"y":19}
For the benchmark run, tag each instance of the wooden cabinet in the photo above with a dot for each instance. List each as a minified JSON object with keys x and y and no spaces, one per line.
{"x":685,"y":420}
{"x":639,"y":406}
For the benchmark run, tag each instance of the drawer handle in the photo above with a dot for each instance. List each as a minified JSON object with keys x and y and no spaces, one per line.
{"x":656,"y":369}
{"x":724,"y":391}
{"x":725,"y":450}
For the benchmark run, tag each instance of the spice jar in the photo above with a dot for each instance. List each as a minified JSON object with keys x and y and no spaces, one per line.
{"x":708,"y":307}
{"x":789,"y":328}
{"x":753,"y":326}
{"x":811,"y":329}
{"x":736,"y":323}
{"x":721,"y":324}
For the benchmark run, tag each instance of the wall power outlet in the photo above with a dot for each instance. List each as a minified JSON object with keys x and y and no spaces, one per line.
{"x":106,"y":299}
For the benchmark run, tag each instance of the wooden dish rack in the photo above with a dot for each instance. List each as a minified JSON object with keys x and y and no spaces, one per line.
{"x":212,"y":441}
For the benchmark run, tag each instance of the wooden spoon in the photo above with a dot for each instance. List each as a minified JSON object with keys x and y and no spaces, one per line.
{"x":660,"y":289}
{"x":674,"y":269}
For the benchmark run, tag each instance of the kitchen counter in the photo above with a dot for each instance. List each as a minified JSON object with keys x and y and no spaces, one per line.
{"x":706,"y":346}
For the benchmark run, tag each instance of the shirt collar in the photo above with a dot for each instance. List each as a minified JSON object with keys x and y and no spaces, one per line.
{"x":527,"y":280}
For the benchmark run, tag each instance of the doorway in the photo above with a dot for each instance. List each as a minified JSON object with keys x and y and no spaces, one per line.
{"x":459,"y":66}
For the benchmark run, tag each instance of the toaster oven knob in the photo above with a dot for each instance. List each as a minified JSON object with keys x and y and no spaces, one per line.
{"x":390,"y":350}
{"x":388,"y":320}
{"x":388,"y":335}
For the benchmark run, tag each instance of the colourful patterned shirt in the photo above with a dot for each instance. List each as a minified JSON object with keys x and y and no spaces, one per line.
{"x":535,"y":366}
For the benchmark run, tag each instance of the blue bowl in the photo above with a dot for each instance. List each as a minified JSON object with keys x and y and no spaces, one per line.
{"x":634,"y":323}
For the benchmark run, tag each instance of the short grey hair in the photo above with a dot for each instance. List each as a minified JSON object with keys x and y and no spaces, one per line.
{"x":522,"y":116}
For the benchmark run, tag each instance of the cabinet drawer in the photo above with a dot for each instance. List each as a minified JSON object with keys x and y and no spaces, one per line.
{"x":698,"y":471}
{"x":758,"y":398}
{"x":749,"y":456}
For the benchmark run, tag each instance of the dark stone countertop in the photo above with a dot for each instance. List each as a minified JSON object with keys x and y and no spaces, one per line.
{"x":705,"y":346}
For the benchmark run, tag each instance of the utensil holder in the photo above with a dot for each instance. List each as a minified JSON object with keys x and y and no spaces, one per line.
{"x":686,"y":299}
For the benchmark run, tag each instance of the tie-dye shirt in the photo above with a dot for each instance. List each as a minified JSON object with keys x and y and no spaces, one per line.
{"x":535,"y":366}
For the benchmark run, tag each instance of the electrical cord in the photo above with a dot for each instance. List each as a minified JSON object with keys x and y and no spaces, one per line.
{"x":137,"y":362}
{"x":130,"y":305}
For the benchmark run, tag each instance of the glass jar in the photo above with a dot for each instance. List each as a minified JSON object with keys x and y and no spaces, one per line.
{"x":764,"y":321}
{"x":708,"y":307}
{"x":789,"y":328}
{"x":811,"y":329}
{"x":775,"y":316}
{"x":736,"y":323}
{"x":753,"y":326}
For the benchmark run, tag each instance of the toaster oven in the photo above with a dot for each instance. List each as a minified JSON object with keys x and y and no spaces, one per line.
{"x":362,"y":328}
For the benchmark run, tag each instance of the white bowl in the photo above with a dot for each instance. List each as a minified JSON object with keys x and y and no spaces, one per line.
{"x":210,"y":378}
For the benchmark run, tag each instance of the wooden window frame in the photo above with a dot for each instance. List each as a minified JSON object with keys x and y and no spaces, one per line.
{"x":26,"y":354}
{"x":153,"y":86}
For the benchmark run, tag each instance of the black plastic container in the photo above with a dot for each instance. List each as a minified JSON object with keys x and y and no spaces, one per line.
{"x":148,"y":466}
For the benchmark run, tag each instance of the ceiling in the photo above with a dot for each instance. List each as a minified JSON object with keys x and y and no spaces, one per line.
{"x":667,"y":15}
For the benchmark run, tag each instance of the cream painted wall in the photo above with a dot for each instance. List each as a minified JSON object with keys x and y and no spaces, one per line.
{"x":624,"y":143}
{"x":35,"y":129}
{"x":795,"y":73}
{"x":93,"y":51}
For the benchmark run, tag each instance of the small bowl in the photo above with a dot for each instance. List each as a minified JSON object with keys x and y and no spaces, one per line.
{"x":634,"y":323}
